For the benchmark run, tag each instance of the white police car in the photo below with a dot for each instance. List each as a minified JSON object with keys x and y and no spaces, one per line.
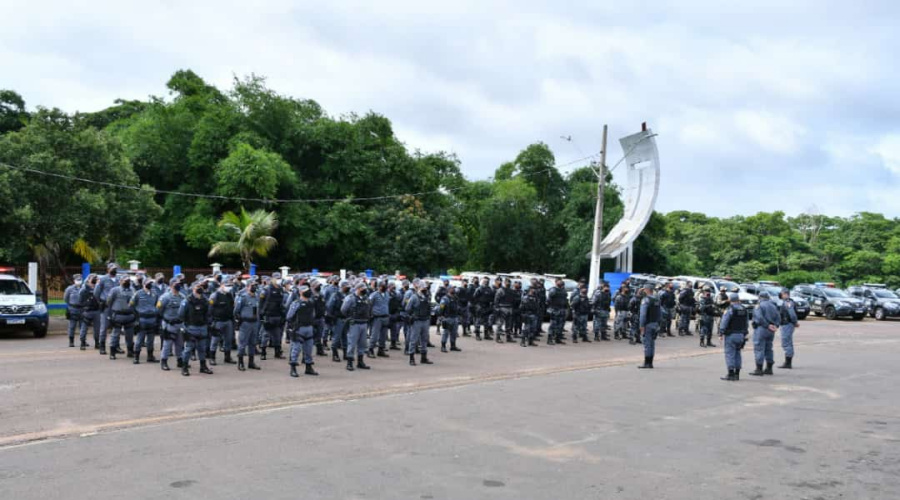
{"x":20,"y":308}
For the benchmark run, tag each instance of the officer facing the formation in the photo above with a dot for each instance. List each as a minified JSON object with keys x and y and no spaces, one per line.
{"x":733,"y":332}
{"x":74,"y":309}
{"x":789,"y":322}
{"x":649,"y":323}
{"x":450,"y":312}
{"x":418,"y":307}
{"x":221,"y":311}
{"x":169,"y":307}
{"x":271,"y":308}
{"x":557,"y":302}
{"x":766,"y":320}
{"x":667,"y":301}
{"x":357,"y":309}
{"x":246,"y":313}
{"x":121,"y":316}
{"x":581,"y":308}
{"x":194,"y":313}
{"x":707,"y":315}
{"x":90,"y":316}
{"x":530,"y":308}
{"x":686,"y":303}
{"x":634,"y":312}
{"x":600,"y":302}
{"x":620,"y":326}
{"x":144,"y":304}
{"x":300,"y":318}
{"x":101,"y":293}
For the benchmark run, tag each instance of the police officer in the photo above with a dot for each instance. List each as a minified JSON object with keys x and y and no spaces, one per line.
{"x":194,"y":313}
{"x":541,"y":295}
{"x":484,"y":300}
{"x":101,"y":293}
{"x":558,"y":303}
{"x":707,"y":311}
{"x":121,"y":316}
{"x":667,"y":300}
{"x":723,"y":302}
{"x":789,"y":322}
{"x":357,"y":309}
{"x":74,"y":308}
{"x":733,"y":329}
{"x":319,"y":320}
{"x":766,"y":320}
{"x":381,"y":318}
{"x":464,"y":296}
{"x":246,"y":313}
{"x":271,"y":307}
{"x":144,"y":304}
{"x":686,"y":303}
{"x":516,"y":313}
{"x":634,"y":311}
{"x":169,"y":307}
{"x":649,"y":324}
{"x":159,"y":284}
{"x":300,"y":318}
{"x":221,"y":312}
{"x":581,"y":307}
{"x":395,"y":308}
{"x":503,"y":300}
{"x":530,"y":309}
{"x":418,"y":307}
{"x":338,"y":320}
{"x":620,"y":326}
{"x":449,"y":312}
{"x":600,"y":303}
{"x":90,"y":316}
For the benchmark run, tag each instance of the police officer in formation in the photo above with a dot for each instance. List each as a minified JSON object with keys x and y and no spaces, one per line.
{"x":464,"y":297}
{"x":246,"y":313}
{"x":531,"y":312}
{"x":484,"y":300}
{"x":271,"y":306}
{"x":169,"y":307}
{"x":418,"y":307}
{"x":557,"y":301}
{"x":449,"y":314}
{"x":301,"y":317}
{"x":650,"y":314}
{"x":789,"y":322}
{"x":121,"y":317}
{"x":144,"y":304}
{"x":686,"y":303}
{"x":621,"y":302}
{"x":221,"y":312}
{"x":733,"y":330}
{"x":91,"y":309}
{"x":634,"y":311}
{"x":358,"y":311}
{"x":600,"y":303}
{"x":381,"y":320}
{"x":194,"y":314}
{"x":667,"y":300}
{"x":503,"y":305}
{"x":707,"y":310}
{"x":335,"y":315}
{"x":581,"y":308}
{"x":766,"y":320}
{"x":74,"y":310}
{"x":101,"y":292}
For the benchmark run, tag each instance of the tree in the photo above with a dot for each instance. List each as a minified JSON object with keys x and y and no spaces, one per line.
{"x":12,"y":111}
{"x":250,"y":235}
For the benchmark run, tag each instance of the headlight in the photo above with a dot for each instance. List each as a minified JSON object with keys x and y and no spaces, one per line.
{"x":841,"y":303}
{"x":40,"y":308}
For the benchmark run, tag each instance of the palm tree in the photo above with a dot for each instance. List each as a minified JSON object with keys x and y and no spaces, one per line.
{"x":250,"y":235}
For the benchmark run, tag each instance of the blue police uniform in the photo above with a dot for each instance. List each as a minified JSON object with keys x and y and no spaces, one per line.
{"x":789,"y":322}
{"x":194,"y":313}
{"x":733,"y":328}
{"x":600,"y":303}
{"x":246,"y":313}
{"x":271,"y":309}
{"x":74,"y":310}
{"x":121,"y":317}
{"x":169,"y":307}
{"x":101,"y":292}
{"x":650,"y":315}
{"x":144,"y":304}
{"x":450,"y":313}
{"x":381,"y":318}
{"x":418,"y":307}
{"x":764,"y":316}
{"x":358,"y":311}
{"x":557,"y":303}
{"x":300,"y":319}
{"x":221,"y":313}
{"x":90,"y":316}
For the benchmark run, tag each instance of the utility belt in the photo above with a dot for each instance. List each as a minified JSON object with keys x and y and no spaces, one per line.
{"x":173,"y":322}
{"x":147,"y":315}
{"x":121,"y":319}
{"x":251,"y":319}
{"x":223,"y":319}
{"x":360,"y":321}
{"x":381,"y":316}
{"x":73,"y":312}
{"x":272,"y":321}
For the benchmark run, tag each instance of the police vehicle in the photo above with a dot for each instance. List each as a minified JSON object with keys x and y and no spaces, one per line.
{"x":20,"y":307}
{"x":801,"y":304}
{"x":835,"y":303}
{"x":748,"y":300}
{"x":881,"y":303}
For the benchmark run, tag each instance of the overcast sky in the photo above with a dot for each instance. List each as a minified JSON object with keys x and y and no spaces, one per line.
{"x":766,"y":105}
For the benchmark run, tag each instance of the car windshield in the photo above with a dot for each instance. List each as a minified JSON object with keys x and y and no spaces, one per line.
{"x":729,"y":286}
{"x":774,"y":291}
{"x":13,"y":287}
{"x":834,"y":292}
{"x":885,"y":294}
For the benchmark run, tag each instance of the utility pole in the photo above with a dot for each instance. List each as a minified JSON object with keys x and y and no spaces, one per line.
{"x":598,"y":220}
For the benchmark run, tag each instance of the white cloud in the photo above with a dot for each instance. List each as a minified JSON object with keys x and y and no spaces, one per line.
{"x":888,"y":150}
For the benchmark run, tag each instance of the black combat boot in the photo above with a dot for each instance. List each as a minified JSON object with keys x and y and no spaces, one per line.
{"x":204,"y":368}
{"x":211,"y":357}
{"x":488,"y":336}
{"x":164,"y":365}
{"x":394,"y":346}
{"x":509,"y":338}
{"x":648,"y":363}
{"x":412,"y":360}
{"x":185,"y":370}
{"x":241,"y":362}
{"x":584,"y":338}
{"x":361,"y":364}
{"x":72,"y":342}
{"x":550,"y":340}
{"x":729,"y":377}
{"x":443,"y":347}
{"x":709,"y":341}
{"x":228,"y":359}
{"x":278,"y":353}
{"x":252,"y":363}
{"x":737,"y":374}
{"x":522,"y":341}
{"x":112,"y":353}
{"x":350,"y":366}
{"x":688,"y":333}
{"x":531,"y":342}
{"x":381,"y":353}
{"x":371,"y":353}
{"x":499,"y":338}
{"x":83,"y":345}
{"x":344,"y":351}
{"x":320,"y":350}
{"x":103,"y":349}
{"x":425,"y":360}
{"x":702,"y":341}
{"x":137,"y":358}
{"x":478,"y":336}
{"x":179,"y":363}
{"x":310,"y":370}
{"x":768,"y":370}
{"x":604,"y":336}
{"x":670,"y":334}
{"x":334,"y":355}
{"x":262,"y":354}
{"x":150,"y":357}
{"x":616,"y":336}
{"x":758,"y":372}
{"x":130,"y":347}
{"x":787,"y":363}
{"x":294,"y":370}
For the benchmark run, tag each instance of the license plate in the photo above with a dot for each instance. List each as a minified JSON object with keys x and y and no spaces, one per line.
{"x":15,"y":322}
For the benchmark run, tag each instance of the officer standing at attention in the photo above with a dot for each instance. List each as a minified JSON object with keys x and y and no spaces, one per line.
{"x":169,"y":307}
{"x":484,"y":299}
{"x":101,"y":292}
{"x":464,"y":295}
{"x":557,"y":301}
{"x":449,"y":311}
{"x":581,"y":307}
{"x":221,"y":310}
{"x":667,"y":300}
{"x":357,"y":309}
{"x":74,"y":309}
{"x":634,"y":312}
{"x":649,"y":323}
{"x":530,"y":309}
{"x":600,"y":302}
{"x":246,"y":313}
{"x":194,"y":313}
{"x":300,"y":318}
{"x":789,"y":322}
{"x":395,"y":307}
{"x":271,"y":307}
{"x":381,"y":319}
{"x":733,"y":331}
{"x":686,"y":304}
{"x":418,"y":307}
{"x":144,"y":304}
{"x":90,"y":316}
{"x":516,"y":313}
{"x":319,"y":322}
{"x":121,"y":316}
{"x":503,"y":301}
{"x":338,"y":320}
{"x":707,"y":315}
{"x":620,"y":325}
{"x":766,"y":320}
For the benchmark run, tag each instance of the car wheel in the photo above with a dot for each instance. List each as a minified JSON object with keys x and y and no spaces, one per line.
{"x":802,"y":316}
{"x":859,"y":317}
{"x":40,"y":333}
{"x":879,"y":314}
{"x":830,"y":313}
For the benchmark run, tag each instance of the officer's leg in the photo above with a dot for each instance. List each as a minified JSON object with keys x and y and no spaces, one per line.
{"x":179,"y":343}
{"x":104,"y":327}
{"x":82,"y":334}
{"x":187,"y":349}
{"x":138,"y":341}
{"x":759,"y":351}
{"x":445,"y":334}
{"x":362,"y":343}
{"x":454,"y":334}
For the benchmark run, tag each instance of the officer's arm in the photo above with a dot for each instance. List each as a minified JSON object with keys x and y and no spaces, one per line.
{"x":346,"y":305}
{"x":111,"y":297}
{"x":643,"y":317}
{"x":238,"y":304}
{"x":97,"y":290}
{"x":793,"y":315}
{"x":161,"y":303}
{"x":292,"y":311}
{"x":182,"y":310}
{"x":723,"y":325}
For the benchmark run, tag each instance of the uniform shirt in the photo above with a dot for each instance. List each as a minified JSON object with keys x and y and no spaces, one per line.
{"x":104,"y":285}
{"x":580,"y":304}
{"x":623,"y":300}
{"x":144,"y":303}
{"x":530,"y":304}
{"x":600,"y":300}
{"x":72,"y":296}
{"x":766,"y":314}
{"x":707,"y":307}
{"x":449,"y":306}
{"x":228,"y":305}
{"x":788,"y":313}
{"x":557,"y":297}
{"x":87,"y":299}
{"x":119,"y":298}
{"x":380,"y":302}
{"x":246,"y":307}
{"x":649,"y":311}
{"x":169,"y":305}
{"x":727,"y":317}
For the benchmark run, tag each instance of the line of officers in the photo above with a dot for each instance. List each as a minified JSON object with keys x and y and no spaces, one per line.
{"x":648,"y":315}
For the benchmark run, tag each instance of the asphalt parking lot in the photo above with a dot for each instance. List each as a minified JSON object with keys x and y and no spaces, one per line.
{"x":494,"y":421}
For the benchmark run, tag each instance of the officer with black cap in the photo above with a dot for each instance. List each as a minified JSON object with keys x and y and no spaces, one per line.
{"x":300,"y":319}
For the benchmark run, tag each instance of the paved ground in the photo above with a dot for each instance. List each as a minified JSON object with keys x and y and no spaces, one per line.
{"x":490,"y":422}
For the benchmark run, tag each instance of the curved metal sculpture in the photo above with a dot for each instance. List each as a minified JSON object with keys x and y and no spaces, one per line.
{"x":641,"y":190}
